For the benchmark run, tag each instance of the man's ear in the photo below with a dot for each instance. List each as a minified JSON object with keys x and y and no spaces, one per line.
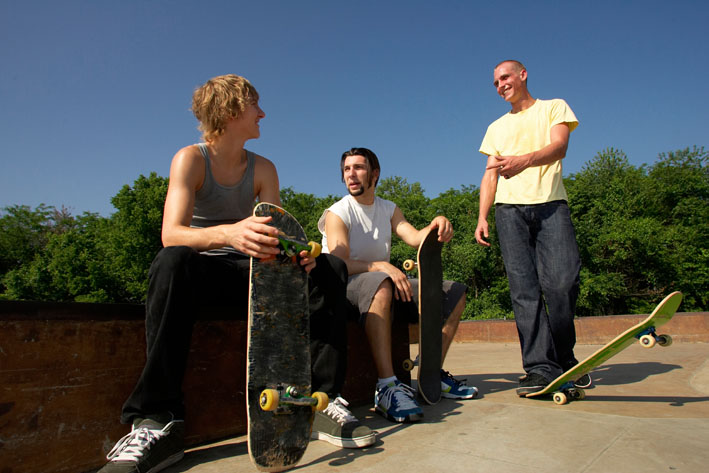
{"x":375,"y":178}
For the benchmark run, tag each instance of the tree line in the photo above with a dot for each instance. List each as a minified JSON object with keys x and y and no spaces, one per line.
{"x":643,"y":231}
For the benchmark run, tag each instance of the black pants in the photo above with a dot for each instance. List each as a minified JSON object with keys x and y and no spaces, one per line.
{"x":183,"y":283}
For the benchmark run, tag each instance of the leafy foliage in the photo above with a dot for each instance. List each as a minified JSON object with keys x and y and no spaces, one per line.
{"x":642,"y":232}
{"x":87,"y":258}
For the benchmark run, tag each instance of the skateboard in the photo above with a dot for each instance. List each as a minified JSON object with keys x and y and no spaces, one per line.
{"x":562,"y":388}
{"x":280,"y":406}
{"x":428,"y":263}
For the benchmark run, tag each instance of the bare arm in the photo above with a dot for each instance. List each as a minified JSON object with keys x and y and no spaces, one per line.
{"x":512,"y":165}
{"x":413,"y":237}
{"x":339,"y":245}
{"x":488,"y":187}
{"x":266,"y":186}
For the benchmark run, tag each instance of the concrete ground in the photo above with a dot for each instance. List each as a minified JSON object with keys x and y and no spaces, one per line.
{"x":648,"y":412}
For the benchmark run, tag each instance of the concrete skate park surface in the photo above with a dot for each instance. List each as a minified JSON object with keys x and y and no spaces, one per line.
{"x":648,"y":411}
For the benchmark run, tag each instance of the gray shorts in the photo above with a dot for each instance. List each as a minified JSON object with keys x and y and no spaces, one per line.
{"x":362,"y":287}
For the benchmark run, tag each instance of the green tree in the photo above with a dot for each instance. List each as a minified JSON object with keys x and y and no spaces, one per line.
{"x":481,"y":269}
{"x":307,"y":209}
{"x":134,"y":234}
{"x":639,"y":231}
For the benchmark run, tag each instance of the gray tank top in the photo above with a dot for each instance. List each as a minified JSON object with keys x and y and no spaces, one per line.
{"x":215,"y":204}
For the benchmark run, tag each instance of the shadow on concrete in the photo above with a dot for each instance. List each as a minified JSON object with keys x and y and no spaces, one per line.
{"x":629,"y":373}
{"x":206,"y":455}
{"x":613,"y":374}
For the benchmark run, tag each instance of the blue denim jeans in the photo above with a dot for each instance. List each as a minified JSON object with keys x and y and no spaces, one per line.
{"x":542,"y":261}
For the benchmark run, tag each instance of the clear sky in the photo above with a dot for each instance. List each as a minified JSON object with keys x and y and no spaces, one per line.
{"x":95,"y":93}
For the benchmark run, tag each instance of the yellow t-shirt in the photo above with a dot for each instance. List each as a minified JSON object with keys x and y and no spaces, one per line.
{"x":515,"y":134}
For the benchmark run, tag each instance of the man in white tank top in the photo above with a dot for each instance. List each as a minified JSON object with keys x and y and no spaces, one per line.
{"x":358,"y":229}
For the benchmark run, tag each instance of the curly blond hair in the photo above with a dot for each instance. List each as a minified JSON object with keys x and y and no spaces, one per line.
{"x":218,"y":100}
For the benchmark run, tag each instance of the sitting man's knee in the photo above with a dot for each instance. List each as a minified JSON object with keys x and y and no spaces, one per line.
{"x":171,"y":258}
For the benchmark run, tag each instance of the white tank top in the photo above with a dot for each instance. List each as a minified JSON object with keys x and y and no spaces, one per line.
{"x":369,"y":227}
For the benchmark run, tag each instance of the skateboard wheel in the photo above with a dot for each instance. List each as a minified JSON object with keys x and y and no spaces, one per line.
{"x":322,"y":399}
{"x":560,"y":399}
{"x":315,"y":249}
{"x":269,"y":399}
{"x":664,"y":340}
{"x":408,"y":265}
{"x":408,"y":364}
{"x":647,"y":341}
{"x":579,"y":394}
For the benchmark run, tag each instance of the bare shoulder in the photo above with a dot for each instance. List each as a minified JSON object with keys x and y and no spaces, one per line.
{"x":263,"y":165}
{"x":188,"y":156}
{"x":266,"y":185}
{"x":188,"y":166}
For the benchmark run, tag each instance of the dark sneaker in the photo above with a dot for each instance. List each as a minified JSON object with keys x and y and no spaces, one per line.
{"x":337,"y":425}
{"x":531,"y":383}
{"x":453,"y":388}
{"x":148,"y":448}
{"x":584,"y":381}
{"x":396,"y":402}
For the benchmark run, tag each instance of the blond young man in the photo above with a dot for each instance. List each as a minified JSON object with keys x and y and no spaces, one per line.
{"x":358,"y":229}
{"x":523,"y":178}
{"x":209,"y":235}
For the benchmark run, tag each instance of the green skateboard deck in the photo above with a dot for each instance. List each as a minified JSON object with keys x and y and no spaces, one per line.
{"x":562,"y":388}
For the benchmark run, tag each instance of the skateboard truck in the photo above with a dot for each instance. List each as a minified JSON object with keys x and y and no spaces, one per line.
{"x":291,"y":247}
{"x":568,"y":392}
{"x":283,"y":396}
{"x":648,"y":338}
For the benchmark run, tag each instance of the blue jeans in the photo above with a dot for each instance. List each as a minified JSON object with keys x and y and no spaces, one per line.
{"x":542,"y":261}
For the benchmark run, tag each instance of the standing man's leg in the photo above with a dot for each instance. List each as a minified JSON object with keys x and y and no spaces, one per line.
{"x":517,"y":242}
{"x":559,"y":265}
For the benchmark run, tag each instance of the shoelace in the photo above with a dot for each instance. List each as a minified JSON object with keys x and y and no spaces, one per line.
{"x":456,"y":382}
{"x":337,"y":409}
{"x":402,"y":394}
{"x":133,"y":445}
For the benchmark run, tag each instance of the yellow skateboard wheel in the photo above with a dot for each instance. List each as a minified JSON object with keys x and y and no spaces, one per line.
{"x":269,"y":399}
{"x":647,"y":341}
{"x":408,"y":364}
{"x":409,"y":265}
{"x":322,"y":399}
{"x":560,"y":399}
{"x":315,"y":249}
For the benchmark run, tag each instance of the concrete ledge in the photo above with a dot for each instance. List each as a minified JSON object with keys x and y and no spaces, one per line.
{"x":66,"y":369}
{"x":684,"y":327}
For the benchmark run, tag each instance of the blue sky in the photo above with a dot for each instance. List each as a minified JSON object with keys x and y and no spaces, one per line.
{"x":95,"y":93}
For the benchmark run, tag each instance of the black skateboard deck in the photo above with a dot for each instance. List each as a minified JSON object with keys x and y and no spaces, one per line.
{"x":430,"y":272}
{"x":279,"y":403}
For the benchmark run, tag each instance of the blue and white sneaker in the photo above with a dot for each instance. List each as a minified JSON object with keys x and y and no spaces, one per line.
{"x":396,"y":402}
{"x":452,"y":388}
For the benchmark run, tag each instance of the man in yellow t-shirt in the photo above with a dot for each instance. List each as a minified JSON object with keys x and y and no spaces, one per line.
{"x":523,"y":179}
